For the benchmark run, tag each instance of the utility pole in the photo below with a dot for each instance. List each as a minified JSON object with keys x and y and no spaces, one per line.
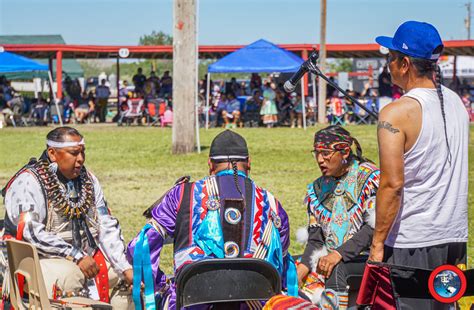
{"x":184,"y":75}
{"x":467,"y":21}
{"x":322,"y":64}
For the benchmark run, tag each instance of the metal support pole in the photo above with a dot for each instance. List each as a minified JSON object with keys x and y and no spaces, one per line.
{"x":118,"y":88}
{"x":322,"y":51}
{"x":208,"y":86}
{"x":59,"y":75}
{"x":314,"y":94}
{"x":55,"y":99}
{"x":303,"y":103}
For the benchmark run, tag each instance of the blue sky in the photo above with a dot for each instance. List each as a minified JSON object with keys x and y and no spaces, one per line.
{"x":122,"y":22}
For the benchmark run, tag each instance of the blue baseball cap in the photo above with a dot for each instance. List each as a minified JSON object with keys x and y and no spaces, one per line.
{"x":415,"y":39}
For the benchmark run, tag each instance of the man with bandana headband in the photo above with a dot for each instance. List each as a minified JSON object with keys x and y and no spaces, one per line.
{"x":224,"y":215}
{"x":58,"y":206}
{"x":341,"y":211}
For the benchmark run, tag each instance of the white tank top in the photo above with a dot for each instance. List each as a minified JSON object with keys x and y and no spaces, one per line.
{"x":434,"y":203}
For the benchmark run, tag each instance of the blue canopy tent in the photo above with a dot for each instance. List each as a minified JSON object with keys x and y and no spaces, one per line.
{"x":259,"y":56}
{"x":10,"y":62}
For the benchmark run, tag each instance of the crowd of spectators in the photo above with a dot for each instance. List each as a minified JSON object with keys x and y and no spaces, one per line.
{"x":245,"y":103}
{"x":263,"y":102}
{"x":252,"y":103}
{"x":6,"y":100}
{"x":143,"y":101}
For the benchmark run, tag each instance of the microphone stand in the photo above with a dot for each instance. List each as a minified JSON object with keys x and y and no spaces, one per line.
{"x":314,"y":69}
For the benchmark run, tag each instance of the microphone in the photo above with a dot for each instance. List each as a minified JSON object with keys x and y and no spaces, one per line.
{"x":290,"y":85}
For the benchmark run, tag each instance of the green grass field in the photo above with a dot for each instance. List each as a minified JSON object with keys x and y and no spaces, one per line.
{"x":135,"y":166}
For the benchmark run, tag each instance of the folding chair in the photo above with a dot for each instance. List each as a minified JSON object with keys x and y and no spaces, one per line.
{"x":360,"y":115}
{"x":133,"y":112}
{"x":383,"y":284}
{"x":23,"y":261}
{"x":152,"y":115}
{"x":337,"y":111}
{"x":18,"y":108}
{"x":226,"y":282}
{"x":167,"y":118}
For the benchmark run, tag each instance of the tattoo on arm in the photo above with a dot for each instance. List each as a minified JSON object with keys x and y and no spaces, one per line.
{"x":388,"y":126}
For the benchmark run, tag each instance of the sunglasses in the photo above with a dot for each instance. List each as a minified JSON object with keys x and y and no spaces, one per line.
{"x":325,"y":154}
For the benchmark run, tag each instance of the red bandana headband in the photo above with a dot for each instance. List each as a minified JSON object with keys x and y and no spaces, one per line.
{"x":332,"y":141}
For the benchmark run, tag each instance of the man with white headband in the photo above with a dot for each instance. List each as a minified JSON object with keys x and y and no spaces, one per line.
{"x":58,"y":206}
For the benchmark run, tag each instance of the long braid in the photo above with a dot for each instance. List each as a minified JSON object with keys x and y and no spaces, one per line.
{"x":359,"y":155}
{"x":437,"y":80}
{"x":236,"y":174}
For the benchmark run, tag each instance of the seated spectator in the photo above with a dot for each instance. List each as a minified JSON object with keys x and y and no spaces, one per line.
{"x":124,"y":89}
{"x":220,"y":104}
{"x":310,"y":110}
{"x":251,"y":112}
{"x":85,"y":108}
{"x":284,"y":107}
{"x":40,"y":111}
{"x":269,"y":110}
{"x":336,"y":109}
{"x":232,"y":111}
{"x":5,"y":111}
{"x":349,"y":118}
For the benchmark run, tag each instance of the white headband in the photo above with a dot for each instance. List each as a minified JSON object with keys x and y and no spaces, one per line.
{"x":61,"y":145}
{"x":228,"y":157}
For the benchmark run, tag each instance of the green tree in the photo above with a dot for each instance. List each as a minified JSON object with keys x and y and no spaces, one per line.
{"x":341,"y":65}
{"x":156,"y":38}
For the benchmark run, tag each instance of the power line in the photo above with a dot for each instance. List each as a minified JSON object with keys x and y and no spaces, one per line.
{"x":467,"y":20}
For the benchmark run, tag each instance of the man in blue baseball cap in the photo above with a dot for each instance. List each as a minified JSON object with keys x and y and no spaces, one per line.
{"x":421,"y":218}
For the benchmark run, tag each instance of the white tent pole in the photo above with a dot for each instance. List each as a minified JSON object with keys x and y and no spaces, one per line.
{"x":198,"y":140}
{"x":55,"y":99}
{"x":196,"y":112}
{"x":208,"y":86}
{"x":303,"y":102}
{"x":314,"y":95}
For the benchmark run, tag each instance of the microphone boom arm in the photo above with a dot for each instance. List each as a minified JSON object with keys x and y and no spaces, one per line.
{"x":314,"y":69}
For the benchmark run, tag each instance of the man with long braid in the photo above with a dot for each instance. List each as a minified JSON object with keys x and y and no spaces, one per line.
{"x":421,"y":215}
{"x":224,"y":215}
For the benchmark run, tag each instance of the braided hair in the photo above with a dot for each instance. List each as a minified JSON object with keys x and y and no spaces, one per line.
{"x":236,"y":174}
{"x":235,"y":170}
{"x":430,"y":69}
